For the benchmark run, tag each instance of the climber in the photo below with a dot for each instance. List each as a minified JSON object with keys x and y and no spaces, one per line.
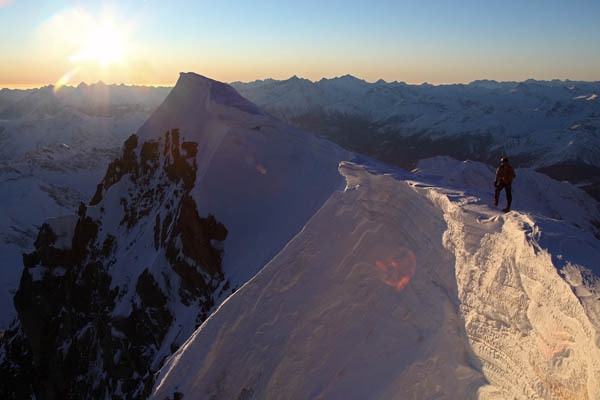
{"x":504,"y":178}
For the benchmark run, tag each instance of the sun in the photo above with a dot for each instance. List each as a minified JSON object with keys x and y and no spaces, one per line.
{"x":105,"y":43}
{"x":85,"y":46}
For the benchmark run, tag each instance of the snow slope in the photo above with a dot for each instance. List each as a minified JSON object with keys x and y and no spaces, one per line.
{"x":262,"y":178}
{"x":412,"y":286}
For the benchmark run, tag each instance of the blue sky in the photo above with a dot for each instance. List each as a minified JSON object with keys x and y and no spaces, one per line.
{"x":431,"y":41}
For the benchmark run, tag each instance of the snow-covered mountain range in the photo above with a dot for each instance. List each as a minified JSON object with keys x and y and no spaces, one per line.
{"x":206,"y":192}
{"x":226,"y":254}
{"x":551,"y":126}
{"x":55,"y":145}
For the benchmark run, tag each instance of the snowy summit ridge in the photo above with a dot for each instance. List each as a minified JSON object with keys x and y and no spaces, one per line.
{"x":203,"y":195}
{"x":406,"y":286}
{"x":226,"y":254}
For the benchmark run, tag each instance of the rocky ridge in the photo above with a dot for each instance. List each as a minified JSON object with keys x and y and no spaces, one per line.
{"x":74,"y":339}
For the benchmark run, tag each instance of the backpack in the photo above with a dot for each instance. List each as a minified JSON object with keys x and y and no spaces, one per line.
{"x":506,"y":174}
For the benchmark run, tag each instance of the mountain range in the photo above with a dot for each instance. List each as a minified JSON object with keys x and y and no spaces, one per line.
{"x":551,"y":126}
{"x":227,"y":254}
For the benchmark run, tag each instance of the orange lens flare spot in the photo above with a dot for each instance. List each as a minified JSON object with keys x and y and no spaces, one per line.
{"x":261,"y":170}
{"x":397,"y":269}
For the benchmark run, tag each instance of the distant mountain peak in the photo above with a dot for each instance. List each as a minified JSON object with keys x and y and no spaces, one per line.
{"x":296,"y":78}
{"x":349,"y":77}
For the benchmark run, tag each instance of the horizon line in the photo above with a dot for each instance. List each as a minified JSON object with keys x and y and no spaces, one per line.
{"x":30,"y":86}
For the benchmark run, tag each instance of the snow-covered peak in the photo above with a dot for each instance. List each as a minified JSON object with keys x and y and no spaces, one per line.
{"x":297,"y":79}
{"x":421,"y":289}
{"x":346,"y":83}
{"x":203,"y":196}
{"x":196,"y":102}
{"x":349,"y":78}
{"x":486,"y":84}
{"x":196,"y":88}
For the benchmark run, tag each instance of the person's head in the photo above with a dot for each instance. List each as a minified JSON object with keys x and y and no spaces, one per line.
{"x":504,"y":160}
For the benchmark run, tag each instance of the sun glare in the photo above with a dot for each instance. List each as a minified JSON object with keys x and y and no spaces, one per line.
{"x":104,"y":44}
{"x":94,"y":47}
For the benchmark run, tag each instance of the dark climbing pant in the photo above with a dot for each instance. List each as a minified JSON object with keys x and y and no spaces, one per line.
{"x":508,"y":188}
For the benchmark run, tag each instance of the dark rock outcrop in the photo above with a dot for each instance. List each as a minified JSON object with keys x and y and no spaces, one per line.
{"x":70,"y":341}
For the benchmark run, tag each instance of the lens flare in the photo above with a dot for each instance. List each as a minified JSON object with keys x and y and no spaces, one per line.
{"x":251,"y":161}
{"x":65,"y":79}
{"x":398,"y":268}
{"x":261,"y":170}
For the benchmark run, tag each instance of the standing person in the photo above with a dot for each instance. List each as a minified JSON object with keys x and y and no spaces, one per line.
{"x":504,"y":178}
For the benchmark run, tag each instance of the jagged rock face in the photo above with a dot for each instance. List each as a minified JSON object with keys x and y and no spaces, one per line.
{"x":93,"y":325}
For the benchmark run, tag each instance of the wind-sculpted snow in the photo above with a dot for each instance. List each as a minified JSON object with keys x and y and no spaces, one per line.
{"x":535,"y":193}
{"x":405,"y":286}
{"x":532,"y":334}
{"x":362,"y":303}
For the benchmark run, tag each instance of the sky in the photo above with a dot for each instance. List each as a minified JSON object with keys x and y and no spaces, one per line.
{"x":149,"y":42}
